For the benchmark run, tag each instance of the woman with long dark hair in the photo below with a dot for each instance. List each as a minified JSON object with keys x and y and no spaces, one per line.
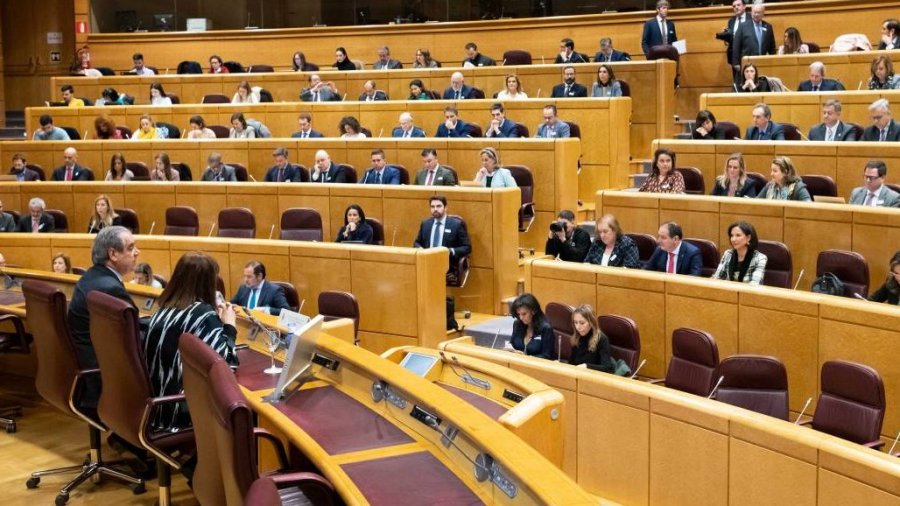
{"x":532,"y":333}
{"x":355,"y":228}
{"x":743,"y":262}
{"x":890,"y":291}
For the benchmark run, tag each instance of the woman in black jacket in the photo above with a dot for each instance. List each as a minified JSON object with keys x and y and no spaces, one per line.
{"x":734,"y":181}
{"x":532,"y":333}
{"x":590,"y":347}
{"x":890,"y":291}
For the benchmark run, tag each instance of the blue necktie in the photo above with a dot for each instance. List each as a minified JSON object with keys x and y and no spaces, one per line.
{"x":436,"y":233}
{"x":759,"y":38}
{"x":252,"y":303}
{"x":378,"y":178}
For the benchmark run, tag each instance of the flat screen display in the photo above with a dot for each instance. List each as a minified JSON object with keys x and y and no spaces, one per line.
{"x":418,"y":363}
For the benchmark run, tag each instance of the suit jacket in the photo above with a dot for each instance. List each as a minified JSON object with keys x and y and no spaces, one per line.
{"x":390,"y":175}
{"x":559,"y":131}
{"x":882,"y":46}
{"x":79,"y":173}
{"x":270,"y":295}
{"x":292,"y":173}
{"x":46,"y":224}
{"x":576,"y":90}
{"x":507,"y":129}
{"x":774,"y":132}
{"x":616,"y":55}
{"x":334,"y":174}
{"x":689,"y":260}
{"x":325,"y":95}
{"x":872,"y":134}
{"x":756,"y":269}
{"x":416,"y":132}
{"x":653,"y":37}
{"x":226,"y":174}
{"x":27,"y":174}
{"x":827,"y":85}
{"x":312,"y":134}
{"x":886,"y":197}
{"x":456,"y":237}
{"x":480,"y":60}
{"x":749,"y":189}
{"x":575,"y":57}
{"x":461,"y":130}
{"x":746,"y":44}
{"x":8,"y":223}
{"x":728,"y":36}
{"x":379,"y":96}
{"x":843,"y":132}
{"x":390,"y":65}
{"x":464,"y":93}
{"x":442,"y":177}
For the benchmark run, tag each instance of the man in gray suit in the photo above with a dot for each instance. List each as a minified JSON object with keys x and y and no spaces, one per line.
{"x":832,"y":128}
{"x":552,"y":127}
{"x":432,"y":172}
{"x":7,"y":221}
{"x":385,"y":62}
{"x":875,"y":193}
{"x":218,"y":171}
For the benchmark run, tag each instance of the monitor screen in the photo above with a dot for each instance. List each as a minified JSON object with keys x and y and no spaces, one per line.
{"x":418,"y":363}
{"x":164,"y":22}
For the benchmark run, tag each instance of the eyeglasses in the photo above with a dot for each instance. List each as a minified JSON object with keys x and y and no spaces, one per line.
{"x":877,"y":117}
{"x":871,"y":178}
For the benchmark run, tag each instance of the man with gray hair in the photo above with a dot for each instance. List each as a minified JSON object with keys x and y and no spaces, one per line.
{"x":283,"y":171}
{"x":832,"y":128}
{"x":216,"y":170}
{"x":817,"y":81}
{"x":764,"y":129}
{"x":384,"y":60}
{"x":37,"y":221}
{"x":883,"y":127}
{"x":407,"y":128}
{"x":458,"y":89}
{"x":113,"y":255}
{"x":7,"y":221}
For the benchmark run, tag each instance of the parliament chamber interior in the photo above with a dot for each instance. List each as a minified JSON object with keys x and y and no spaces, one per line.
{"x":481,"y":255}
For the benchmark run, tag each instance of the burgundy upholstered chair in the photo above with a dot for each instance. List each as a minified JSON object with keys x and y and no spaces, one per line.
{"x":290,"y":293}
{"x":755,"y":382}
{"x":129,"y":219}
{"x":263,"y":492}
{"x":377,"y":231}
{"x":851,"y":405}
{"x":525,"y":182}
{"x":301,"y":224}
{"x":560,"y":318}
{"x":818,"y":185}
{"x":624,"y":338}
{"x":215,"y":98}
{"x":695,"y":357}
{"x":237,"y":222}
{"x":60,"y":221}
{"x":693,"y":180}
{"x":646,"y":245}
{"x":182,"y":220}
{"x":335,"y":304}
{"x":779,"y":266}
{"x":849,"y":266}
{"x":15,"y":342}
{"x":709,"y":253}
{"x":517,"y":57}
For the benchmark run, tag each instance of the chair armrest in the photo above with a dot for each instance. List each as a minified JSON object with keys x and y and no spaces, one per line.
{"x":166,"y":399}
{"x":261,"y":433}
{"x":22,"y":343}
{"x":657,"y":381}
{"x":875,"y":445}
{"x":83,"y":373}
{"x":315,"y":488}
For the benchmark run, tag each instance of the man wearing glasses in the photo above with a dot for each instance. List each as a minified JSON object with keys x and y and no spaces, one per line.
{"x":875,"y":193}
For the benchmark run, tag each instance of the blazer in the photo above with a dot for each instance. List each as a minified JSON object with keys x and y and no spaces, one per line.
{"x":542,"y":341}
{"x":689,"y":260}
{"x":397,"y":132}
{"x":886,"y":197}
{"x":379,"y":96}
{"x":464,"y":93}
{"x":624,"y":254}
{"x":653,"y":37}
{"x":325,"y":95}
{"x":270,"y":295}
{"x":456,"y":236}
{"x":8,"y":222}
{"x":843,"y":132}
{"x":749,"y":190}
{"x":79,"y":173}
{"x":827,"y":85}
{"x":442,"y":177}
{"x":717,"y":133}
{"x":746,"y":44}
{"x":616,"y":55}
{"x":391,"y":64}
{"x":573,"y":249}
{"x":872,"y":134}
{"x":755,"y":271}
{"x":390,"y":175}
{"x":728,"y":36}
{"x":507,"y":129}
{"x":576,"y":90}
{"x":773,"y":132}
{"x":45,"y":224}
{"x":480,"y":60}
{"x":896,"y":43}
{"x":93,"y":228}
{"x":312,"y":134}
{"x":502,"y":178}
{"x":363,"y":234}
{"x":559,"y":131}
{"x":613,"y":89}
{"x":292,"y":173}
{"x":226,"y":174}
{"x":575,"y":57}
{"x":799,"y":192}
{"x":460,"y":130}
{"x":27,"y":174}
{"x":334,"y":174}
{"x":885,"y":293}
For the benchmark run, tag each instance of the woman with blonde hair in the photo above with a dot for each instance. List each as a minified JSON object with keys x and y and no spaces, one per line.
{"x":491,"y":174}
{"x":147,"y":130}
{"x":514,"y":89}
{"x":590,"y":346}
{"x":104,"y":215}
{"x":733,"y":182}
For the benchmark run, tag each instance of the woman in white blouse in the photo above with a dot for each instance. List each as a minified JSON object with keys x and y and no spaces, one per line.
{"x":158,"y":95}
{"x":244,"y":94}
{"x":240,"y":129}
{"x":513,"y":89}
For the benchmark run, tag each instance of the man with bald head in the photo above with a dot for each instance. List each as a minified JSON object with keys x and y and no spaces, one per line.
{"x":407,"y":128}
{"x":70,"y":170}
{"x":326,"y":171}
{"x":458,"y":89}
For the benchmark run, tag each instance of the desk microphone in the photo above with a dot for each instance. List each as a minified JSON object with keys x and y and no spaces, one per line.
{"x":300,"y":308}
{"x":799,"y":277}
{"x":860,"y":86}
{"x":185,"y":131}
{"x":504,"y":62}
{"x":345,"y":97}
{"x":736,"y":139}
{"x":494,"y":344}
{"x":381,"y":132}
{"x":271,"y":231}
{"x":394,"y":236}
{"x":91,"y":230}
{"x":152,"y":226}
{"x":211,"y":228}
{"x":252,"y":178}
{"x":718,"y":383}
{"x":634,"y":375}
{"x":895,"y":444}
{"x":538,"y":95}
{"x":559,"y":348}
{"x":543,"y":62}
{"x":466,"y":376}
{"x":802,"y":411}
{"x":802,"y":136}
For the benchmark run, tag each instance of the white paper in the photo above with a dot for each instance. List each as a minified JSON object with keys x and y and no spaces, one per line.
{"x":680,"y":46}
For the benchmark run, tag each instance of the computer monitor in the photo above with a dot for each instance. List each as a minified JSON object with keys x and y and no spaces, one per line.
{"x":164,"y":22}
{"x":298,"y":366}
{"x":418,"y":363}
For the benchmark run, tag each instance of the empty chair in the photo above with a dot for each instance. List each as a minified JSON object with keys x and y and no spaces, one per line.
{"x":61,"y":223}
{"x":335,"y":304}
{"x":475,"y":130}
{"x":813,"y":47}
{"x":240,"y":172}
{"x":693,"y":180}
{"x":560,"y":318}
{"x":759,"y":181}
{"x":779,"y":266}
{"x":849,"y":266}
{"x":819,"y":185}
{"x":522,"y":131}
{"x":525,"y":182}
{"x":851,"y":403}
{"x":377,"y":231}
{"x":290,"y":294}
{"x":729,"y":130}
{"x":667,"y":52}
{"x":857,"y":131}
{"x":184,"y":171}
{"x":710,"y":255}
{"x":349,"y":171}
{"x":791,"y":132}
{"x":78,"y":270}
{"x":301,"y":224}
{"x":182,"y":220}
{"x":695,"y":357}
{"x":38,"y":169}
{"x":124,"y":131}
{"x":237,"y":222}
{"x":221,"y":132}
{"x":626,"y":89}
{"x":261,"y":68}
{"x":755,"y":382}
{"x":129,"y":219}
{"x":215,"y":98}
{"x":15,"y":342}
{"x":73,"y":133}
{"x":624,"y":338}
{"x":174,"y":98}
{"x":574,"y":129}
{"x":139,"y":169}
{"x":517,"y":57}
{"x":404,"y":174}
{"x":477,"y":93}
{"x":646,"y":245}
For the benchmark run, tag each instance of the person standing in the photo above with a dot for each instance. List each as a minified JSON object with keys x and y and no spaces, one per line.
{"x":754,"y":38}
{"x":658,"y":31}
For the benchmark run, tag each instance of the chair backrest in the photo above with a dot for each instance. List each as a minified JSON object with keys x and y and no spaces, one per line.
{"x":234,"y":67}
{"x":237,"y":222}
{"x":222,"y":132}
{"x":215,"y":98}
{"x":626,"y":88}
{"x":574,"y":129}
{"x":174,"y":98}
{"x":522,"y":131}
{"x":851,"y":403}
{"x":813,"y":47}
{"x":240,"y":172}
{"x":301,"y":224}
{"x":663,"y":52}
{"x":646,"y":245}
{"x":124,"y":131}
{"x":60,"y":222}
{"x":477,"y":93}
{"x":184,"y":171}
{"x":730,"y":130}
{"x":350,"y":171}
{"x":560,"y":318}
{"x":129,"y":219}
{"x":38,"y":169}
{"x":779,"y":266}
{"x":265,"y":96}
{"x":819,"y":185}
{"x":517,"y":57}
{"x":856,"y":129}
{"x":759,"y":181}
{"x":263,"y":492}
{"x":365,"y":131}
{"x":895,"y":187}
{"x":624,"y":338}
{"x":695,"y":357}
{"x":261,"y":68}
{"x":139,"y":169}
{"x":475,"y":130}
{"x":182,"y":220}
{"x":73,"y":133}
{"x":290,"y":294}
{"x":524,"y":180}
{"x":173,"y":131}
{"x":693,"y":180}
{"x":404,"y":174}
{"x":377,"y":231}
{"x":709,"y":253}
{"x":335,"y":304}
{"x":791,"y":132}
{"x":78,"y":270}
{"x":755,"y":382}
{"x":849,"y":266}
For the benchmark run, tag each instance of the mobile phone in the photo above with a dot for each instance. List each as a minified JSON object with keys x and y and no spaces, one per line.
{"x":220,"y":299}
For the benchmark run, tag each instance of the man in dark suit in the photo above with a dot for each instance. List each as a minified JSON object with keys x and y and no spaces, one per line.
{"x":567,"y":53}
{"x":458,"y":89}
{"x":70,"y":170}
{"x":380,"y":172}
{"x":443,"y":230}
{"x":452,"y":125}
{"x":306,"y":131}
{"x":283,"y":171}
{"x":217,"y":170}
{"x":764,"y":129}
{"x":727,"y":35}
{"x":407,"y":129}
{"x":432,"y":172}
{"x":883,"y":127}
{"x":476,"y":59}
{"x":608,"y":54}
{"x":832,"y":128}
{"x":37,"y":221}
{"x":890,"y":34}
{"x":21,"y":171}
{"x":385,"y":62}
{"x":658,"y":31}
{"x":371,"y":94}
{"x":320,"y":91}
{"x":817,"y":81}
{"x":256,"y":293}
{"x":327,"y":171}
{"x":672,"y":254}
{"x":752,"y":39}
{"x":569,"y":88}
{"x":7,"y":221}
{"x":500,"y":126}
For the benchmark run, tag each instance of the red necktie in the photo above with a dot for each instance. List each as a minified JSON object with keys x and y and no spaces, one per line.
{"x":68,"y":173}
{"x":670,"y":268}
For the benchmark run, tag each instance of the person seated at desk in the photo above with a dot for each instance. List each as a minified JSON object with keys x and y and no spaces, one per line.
{"x":245,"y":94}
{"x":882,"y":74}
{"x":491,"y":174}
{"x":371,"y":93}
{"x":889,"y":291}
{"x":7,"y":221}
{"x":216,"y":66}
{"x":306,"y":131}
{"x":103,"y":216}
{"x":552,"y":127}
{"x":606,"y":84}
{"x":198,"y":129}
{"x":793,"y":43}
{"x":567,"y":53}
{"x":61,"y":264}
{"x":283,"y":171}
{"x":407,"y":129}
{"x":158,"y":95}
{"x":832,"y":128}
{"x":239,"y":128}
{"x":70,"y":170}
{"x":350,"y":128}
{"x":743,"y":263}
{"x":532,"y":333}
{"x":458,"y":89}
{"x":883,"y":127}
{"x":68,"y":96}
{"x":612,"y":248}
{"x":118,"y":170}
{"x":139,"y":69}
{"x":514,"y":89}
{"x":342,"y":60}
{"x":356,"y":229}
{"x":817,"y":80}
{"x":452,"y":125}
{"x":673,"y":255}
{"x":256,"y":293}
{"x":163,"y":170}
{"x":21,"y":170}
{"x":49,"y":132}
{"x":890,"y":34}
{"x":299,"y":63}
{"x":36,"y":221}
{"x":733,"y":182}
{"x":143,"y":275}
{"x":764,"y":129}
{"x":569,"y":88}
{"x":218,"y":171}
{"x":476,"y":59}
{"x":417,"y":91}
{"x":499,"y":125}
{"x":148,"y":131}
{"x":875,"y":193}
{"x":109,"y":96}
{"x":785,"y":183}
{"x":443,"y":230}
{"x":105,"y":128}
{"x":423,"y":60}
{"x":326,"y":171}
{"x":319,"y":91}
{"x":566,"y":240}
{"x":608,"y":54}
{"x":752,"y":82}
{"x":385,"y":62}
{"x":706,"y":127}
{"x":187,"y":304}
{"x":663,"y":177}
{"x":432,"y":172}
{"x":380,"y":172}
{"x":590,"y":346}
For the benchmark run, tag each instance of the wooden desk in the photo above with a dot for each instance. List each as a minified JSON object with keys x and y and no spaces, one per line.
{"x":853,"y":69}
